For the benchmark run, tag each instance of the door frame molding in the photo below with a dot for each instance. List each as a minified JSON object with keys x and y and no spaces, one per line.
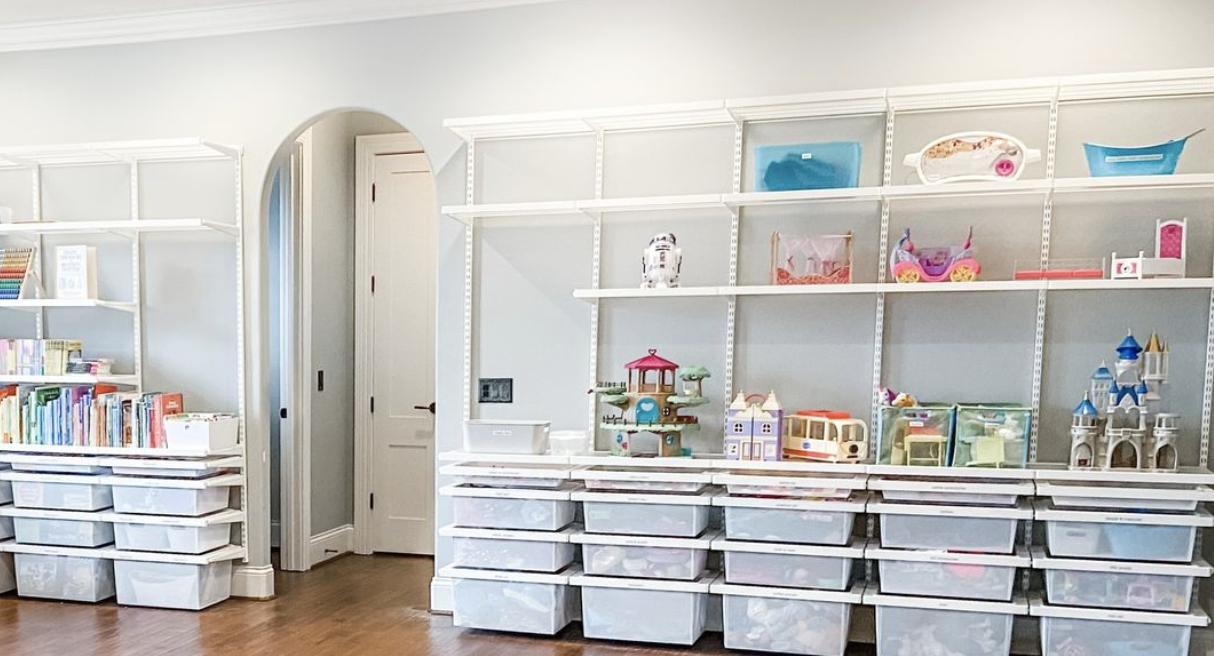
{"x":366,"y":148}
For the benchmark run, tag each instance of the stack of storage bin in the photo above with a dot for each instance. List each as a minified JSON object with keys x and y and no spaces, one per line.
{"x":644,"y":552}
{"x":947,"y":562}
{"x":789,"y":556}
{"x":1119,"y":565}
{"x":8,"y":572}
{"x":512,"y":555}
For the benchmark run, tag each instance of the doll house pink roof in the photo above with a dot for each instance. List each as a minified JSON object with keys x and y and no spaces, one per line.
{"x":652,"y":361}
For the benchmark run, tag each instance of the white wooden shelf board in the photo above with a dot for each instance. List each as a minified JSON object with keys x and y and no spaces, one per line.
{"x":35,"y":304}
{"x":976,"y":473}
{"x":1183,"y":476}
{"x":124,"y":152}
{"x":70,"y":379}
{"x":503,"y":458}
{"x":604,"y":458}
{"x":119,"y":451}
{"x":124,"y":227}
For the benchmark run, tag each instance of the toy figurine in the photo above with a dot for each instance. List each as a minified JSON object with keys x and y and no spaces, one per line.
{"x":1169,"y":260}
{"x":661,"y":263}
{"x":1109,"y":426}
{"x":935,"y":263}
{"x":825,"y":435}
{"x":753,"y":426}
{"x":649,"y":403}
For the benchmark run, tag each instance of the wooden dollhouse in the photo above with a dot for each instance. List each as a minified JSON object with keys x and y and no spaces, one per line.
{"x":1169,"y":260}
{"x":825,"y":435}
{"x":649,"y":402}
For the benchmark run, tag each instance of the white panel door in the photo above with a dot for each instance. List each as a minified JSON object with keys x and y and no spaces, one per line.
{"x":402,"y":318}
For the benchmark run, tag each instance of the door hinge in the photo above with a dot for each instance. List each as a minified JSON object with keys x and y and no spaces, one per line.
{"x":373,"y":405}
{"x":372,"y":501}
{"x":372,"y":192}
{"x":372,"y":284}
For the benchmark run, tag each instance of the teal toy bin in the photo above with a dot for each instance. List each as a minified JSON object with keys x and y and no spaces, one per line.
{"x":917,"y":436}
{"x":992,"y":435}
{"x":828,"y":165}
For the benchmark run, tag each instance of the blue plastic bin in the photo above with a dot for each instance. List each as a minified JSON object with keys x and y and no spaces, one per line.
{"x":828,"y":165}
{"x":1159,"y":159}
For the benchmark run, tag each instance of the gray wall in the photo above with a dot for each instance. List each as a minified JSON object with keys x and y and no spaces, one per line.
{"x":257,"y":90}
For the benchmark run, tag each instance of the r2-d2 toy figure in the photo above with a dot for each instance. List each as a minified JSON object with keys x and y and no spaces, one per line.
{"x":661,"y":263}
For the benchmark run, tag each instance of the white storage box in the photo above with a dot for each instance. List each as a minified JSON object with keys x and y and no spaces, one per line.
{"x":647,"y":479}
{"x":791,"y":565}
{"x":524,"y":551}
{"x":801,"y":521}
{"x":1121,"y":536}
{"x":528,"y":510}
{"x":549,"y":477}
{"x":926,"y":625}
{"x":644,"y":610}
{"x":986,"y":577}
{"x":61,"y":528}
{"x":950,"y":528}
{"x":506,"y":436}
{"x":178,"y":535}
{"x":1125,"y":496}
{"x":188,"y":497}
{"x":811,"y":622}
{"x":58,"y":491}
{"x":66,"y":578}
{"x":1080,"y":631}
{"x":569,"y":442}
{"x":1123,"y":586}
{"x":802,"y":485}
{"x":951,"y":490}
{"x":185,"y":586}
{"x":519,"y":602}
{"x":201,"y":432}
{"x":660,"y":515}
{"x":681,"y":559}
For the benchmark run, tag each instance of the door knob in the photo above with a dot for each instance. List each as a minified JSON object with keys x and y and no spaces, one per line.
{"x":425,"y":407}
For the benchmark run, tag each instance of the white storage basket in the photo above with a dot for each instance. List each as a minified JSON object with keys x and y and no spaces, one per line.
{"x":66,"y":578}
{"x":61,"y":528}
{"x":201,"y":432}
{"x":1125,"y":496}
{"x":506,"y":436}
{"x":524,"y":510}
{"x":800,"y":485}
{"x":950,"y":528}
{"x":644,"y":610}
{"x":661,"y":515}
{"x":507,"y":476}
{"x":170,"y":496}
{"x":519,"y":602}
{"x":952,"y":490}
{"x":1117,"y":585}
{"x":184,"y":586}
{"x":801,"y":521}
{"x":178,"y":535}
{"x":809,"y":622}
{"x":680,"y":559}
{"x":985,"y":577}
{"x":59,"y":491}
{"x":1107,"y":535}
{"x":523,"y":551}
{"x":926,"y":625}
{"x":1066,"y":631}
{"x":772,"y":564}
{"x":648,"y":479}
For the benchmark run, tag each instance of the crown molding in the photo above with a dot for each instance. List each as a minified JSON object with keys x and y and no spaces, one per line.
{"x":257,"y":16}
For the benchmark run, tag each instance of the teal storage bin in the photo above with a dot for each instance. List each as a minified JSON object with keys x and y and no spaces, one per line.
{"x":828,"y":165}
{"x":918,"y":436}
{"x":992,"y":435}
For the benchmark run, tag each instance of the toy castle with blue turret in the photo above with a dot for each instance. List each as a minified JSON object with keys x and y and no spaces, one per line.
{"x":1118,"y":424}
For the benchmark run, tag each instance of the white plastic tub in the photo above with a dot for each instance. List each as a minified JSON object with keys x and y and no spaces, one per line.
{"x":1067,"y":630}
{"x":546,"y":477}
{"x":1125,"y":496}
{"x":801,"y":485}
{"x":171,"y":496}
{"x":519,"y":602}
{"x":66,"y":578}
{"x":526,"y":510}
{"x":647,"y":479}
{"x":1121,"y":536}
{"x":523,"y":551}
{"x":927,"y":625}
{"x":800,"y":521}
{"x":58,"y":491}
{"x":59,"y":527}
{"x":810,"y":622}
{"x":643,"y":610}
{"x":985,"y":577}
{"x":950,"y":528}
{"x":1135,"y":586}
{"x":201,"y":432}
{"x":506,"y":436}
{"x":185,"y":586}
{"x":178,"y":535}
{"x":680,"y":559}
{"x":165,"y":472}
{"x":660,"y":515}
{"x":788,"y":565}
{"x":951,"y":490}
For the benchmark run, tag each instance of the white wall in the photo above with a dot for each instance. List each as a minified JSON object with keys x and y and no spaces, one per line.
{"x":256,"y":90}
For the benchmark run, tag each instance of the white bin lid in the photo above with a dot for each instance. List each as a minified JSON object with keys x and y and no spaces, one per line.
{"x":453,"y":531}
{"x":38,"y":513}
{"x":1022,"y":510}
{"x":1201,"y":517}
{"x":703,"y":542}
{"x":853,"y":504}
{"x":1114,"y":491}
{"x":1019,"y":559}
{"x":791,"y":481}
{"x":507,"y":422}
{"x":222,"y":480}
{"x":227,"y":516}
{"x":52,"y":459}
{"x":559,"y":578}
{"x":701,"y":499}
{"x":647,"y":474}
{"x":1196,"y":617}
{"x":504,"y":493}
{"x":1042,"y":560}
{"x":35,"y":477}
{"x":516,"y":470}
{"x":851,"y":551}
{"x":852,"y":596}
{"x":949,"y":485}
{"x":1018,"y":606}
{"x":1006,"y":473}
{"x":701,"y":584}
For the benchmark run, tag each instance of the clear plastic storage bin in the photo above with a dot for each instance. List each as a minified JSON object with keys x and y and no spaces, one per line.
{"x":788,"y":565}
{"x":1123,"y":586}
{"x":544,"y":477}
{"x":60,"y":528}
{"x":643,"y":610}
{"x":801,"y":521}
{"x":6,"y":492}
{"x":177,"y":497}
{"x":950,"y":528}
{"x":180,"y":535}
{"x":58,"y":491}
{"x":811,"y":622}
{"x":8,"y":573}
{"x":953,"y":491}
{"x":926,"y":625}
{"x":983,"y":577}
{"x":621,"y":513}
{"x":185,"y":586}
{"x":648,"y":479}
{"x":528,"y":510}
{"x":523,"y":551}
{"x":1066,"y":631}
{"x":506,"y":436}
{"x":1121,"y":536}
{"x":520,"y":602}
{"x":66,"y":578}
{"x":807,"y":485}
{"x":681,"y":559}
{"x":1125,"y":496}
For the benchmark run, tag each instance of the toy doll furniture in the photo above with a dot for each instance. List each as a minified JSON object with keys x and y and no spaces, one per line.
{"x":1169,"y":260}
{"x":908,"y":263}
{"x":810,"y":260}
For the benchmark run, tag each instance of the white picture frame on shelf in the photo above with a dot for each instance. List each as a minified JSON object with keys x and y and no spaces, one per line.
{"x":76,"y":272}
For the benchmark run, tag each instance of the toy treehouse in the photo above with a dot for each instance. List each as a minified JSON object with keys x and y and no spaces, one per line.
{"x":649,"y":402}
{"x":913,"y":434}
{"x":1109,"y":427}
{"x":908,"y":263}
{"x":1169,"y":260}
{"x":825,"y":435}
{"x":753,"y":426}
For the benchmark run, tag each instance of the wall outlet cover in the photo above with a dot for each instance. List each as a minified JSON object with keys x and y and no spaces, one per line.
{"x":496,"y":390}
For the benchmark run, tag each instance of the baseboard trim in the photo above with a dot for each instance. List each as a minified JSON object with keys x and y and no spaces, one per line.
{"x":253,"y":582}
{"x":331,"y":544}
{"x":442,"y":597}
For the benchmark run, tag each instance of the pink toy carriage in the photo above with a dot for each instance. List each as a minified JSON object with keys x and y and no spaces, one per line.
{"x":935,"y":263}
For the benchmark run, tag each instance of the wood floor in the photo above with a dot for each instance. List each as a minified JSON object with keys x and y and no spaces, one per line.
{"x":356,"y":605}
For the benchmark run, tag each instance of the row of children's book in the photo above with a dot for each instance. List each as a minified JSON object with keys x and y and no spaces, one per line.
{"x":39,"y":357}
{"x":85,"y":415}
